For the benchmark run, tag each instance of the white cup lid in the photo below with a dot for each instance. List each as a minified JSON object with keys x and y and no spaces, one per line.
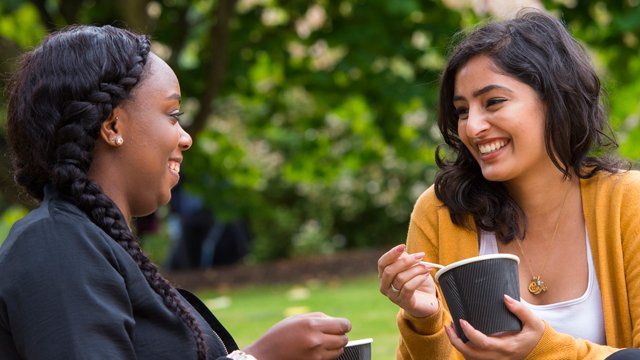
{"x":475,"y":259}
{"x":359,"y":342}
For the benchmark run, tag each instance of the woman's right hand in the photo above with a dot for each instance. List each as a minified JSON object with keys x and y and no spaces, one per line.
{"x":416,"y":289}
{"x":308,"y":336}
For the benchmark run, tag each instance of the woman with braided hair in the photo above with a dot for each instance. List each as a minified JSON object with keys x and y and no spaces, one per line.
{"x":94,"y":130}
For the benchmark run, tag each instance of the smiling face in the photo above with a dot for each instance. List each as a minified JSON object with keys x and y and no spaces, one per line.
{"x":501,"y":121}
{"x":138,"y":174}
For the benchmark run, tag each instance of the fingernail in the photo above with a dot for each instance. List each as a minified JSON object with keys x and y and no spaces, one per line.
{"x":463,"y":322}
{"x":451,"y":330}
{"x":400,"y":248}
{"x":418,"y":256}
{"x":347,"y":326}
{"x":508,"y":298}
{"x":447,"y":329}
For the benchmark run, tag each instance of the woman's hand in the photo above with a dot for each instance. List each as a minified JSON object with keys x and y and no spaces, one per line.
{"x":505,"y":346}
{"x":313,"y":336}
{"x":407,"y":282}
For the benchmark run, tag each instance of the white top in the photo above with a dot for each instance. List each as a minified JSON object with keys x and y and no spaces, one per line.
{"x":581,"y":317}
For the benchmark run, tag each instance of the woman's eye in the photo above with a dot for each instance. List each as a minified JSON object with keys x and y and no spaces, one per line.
{"x":495,"y":101}
{"x":461,"y":112}
{"x":177,"y":115}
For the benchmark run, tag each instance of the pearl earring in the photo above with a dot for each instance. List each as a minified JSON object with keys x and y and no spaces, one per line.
{"x":118,"y":140}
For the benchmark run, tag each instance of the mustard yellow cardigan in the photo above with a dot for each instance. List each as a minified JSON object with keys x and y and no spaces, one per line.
{"x":611,"y":207}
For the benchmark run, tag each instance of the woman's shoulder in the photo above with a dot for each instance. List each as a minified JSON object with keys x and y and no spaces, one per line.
{"x":429,"y":198}
{"x":51,"y":233}
{"x":54,"y":219}
{"x":607,"y":190}
{"x":428,"y":204}
{"x":620,"y":181}
{"x":629,"y":177}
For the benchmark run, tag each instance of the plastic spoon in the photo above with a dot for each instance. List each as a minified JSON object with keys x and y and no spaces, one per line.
{"x":438,"y":266}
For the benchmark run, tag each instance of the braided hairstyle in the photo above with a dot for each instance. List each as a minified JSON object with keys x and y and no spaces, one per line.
{"x":64,"y":90}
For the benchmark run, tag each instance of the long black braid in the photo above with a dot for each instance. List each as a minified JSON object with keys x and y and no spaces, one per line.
{"x":63,"y":92}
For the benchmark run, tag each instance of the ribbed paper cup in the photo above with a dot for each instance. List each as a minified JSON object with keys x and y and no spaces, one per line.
{"x":474,"y":290}
{"x":357,"y":350}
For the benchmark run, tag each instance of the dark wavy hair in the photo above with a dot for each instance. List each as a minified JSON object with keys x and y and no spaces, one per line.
{"x":536,"y":49}
{"x":64,"y":89}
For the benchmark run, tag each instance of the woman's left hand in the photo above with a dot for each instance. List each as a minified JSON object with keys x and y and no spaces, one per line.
{"x":505,"y":346}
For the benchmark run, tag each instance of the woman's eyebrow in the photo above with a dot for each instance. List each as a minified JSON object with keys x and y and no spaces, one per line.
{"x":175,"y":96}
{"x":484,"y":90}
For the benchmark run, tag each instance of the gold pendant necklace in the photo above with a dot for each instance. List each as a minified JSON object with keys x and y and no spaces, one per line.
{"x":537,"y":285}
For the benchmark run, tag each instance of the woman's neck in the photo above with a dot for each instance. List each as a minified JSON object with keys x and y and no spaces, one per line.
{"x":542,"y":195}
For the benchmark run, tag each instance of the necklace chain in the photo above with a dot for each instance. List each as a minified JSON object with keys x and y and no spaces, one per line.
{"x":537,"y":285}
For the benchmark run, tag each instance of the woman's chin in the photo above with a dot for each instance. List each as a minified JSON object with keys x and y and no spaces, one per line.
{"x":493,"y":175}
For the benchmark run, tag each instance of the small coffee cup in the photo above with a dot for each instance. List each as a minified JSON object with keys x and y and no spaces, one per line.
{"x":357,"y":350}
{"x":474,"y":290}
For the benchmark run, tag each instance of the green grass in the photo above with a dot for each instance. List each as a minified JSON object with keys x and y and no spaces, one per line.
{"x":248,"y":313}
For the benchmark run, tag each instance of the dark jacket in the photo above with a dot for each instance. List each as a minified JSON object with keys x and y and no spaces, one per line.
{"x":69,"y":291}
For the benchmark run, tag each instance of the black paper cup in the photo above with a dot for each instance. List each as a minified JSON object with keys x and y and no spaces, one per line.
{"x":474,"y":290}
{"x":357,"y":350}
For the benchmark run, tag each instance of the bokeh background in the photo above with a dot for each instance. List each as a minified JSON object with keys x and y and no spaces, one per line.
{"x":314,"y":121}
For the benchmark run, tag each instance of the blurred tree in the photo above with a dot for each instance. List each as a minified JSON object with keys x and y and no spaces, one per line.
{"x":316,"y":119}
{"x":612,"y":31}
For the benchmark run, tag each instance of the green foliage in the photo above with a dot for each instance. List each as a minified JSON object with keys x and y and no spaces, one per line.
{"x":157,"y":244}
{"x":8,"y":218}
{"x":316,"y":121}
{"x":611,"y":30}
{"x":20,"y":24}
{"x":323,"y":136}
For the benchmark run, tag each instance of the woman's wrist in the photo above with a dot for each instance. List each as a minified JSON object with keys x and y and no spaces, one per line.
{"x":427,"y":325}
{"x":240,"y":355}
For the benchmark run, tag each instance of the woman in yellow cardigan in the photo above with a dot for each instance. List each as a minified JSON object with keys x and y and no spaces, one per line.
{"x":525,"y":174}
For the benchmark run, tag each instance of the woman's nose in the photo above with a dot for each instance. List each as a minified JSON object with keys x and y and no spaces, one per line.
{"x":185,"y":140}
{"x":476,"y":123}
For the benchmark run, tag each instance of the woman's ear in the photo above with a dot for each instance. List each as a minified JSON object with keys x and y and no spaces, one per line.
{"x":111,"y":129}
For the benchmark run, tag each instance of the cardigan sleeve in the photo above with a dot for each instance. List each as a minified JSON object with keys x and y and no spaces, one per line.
{"x":630,"y":241}
{"x":554,"y":345}
{"x":62,"y":291}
